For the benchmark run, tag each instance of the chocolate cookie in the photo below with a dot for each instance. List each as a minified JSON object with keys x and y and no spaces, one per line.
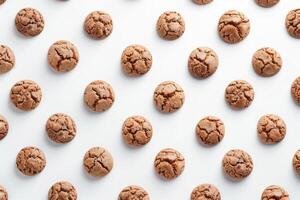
{"x":98,"y":162}
{"x":170,"y":25}
{"x":210,"y":130}
{"x":63,"y":56}
{"x":291,"y":23}
{"x":295,"y":90}
{"x":1,"y":2}
{"x":29,"y":22}
{"x":239,"y":94}
{"x":203,"y":62}
{"x":202,"y":2}
{"x":136,"y":60}
{"x":62,"y":191}
{"x":7,"y":59}
{"x":4,"y":127}
{"x":237,"y":164}
{"x":31,"y":161}
{"x":233,"y":26}
{"x":206,"y":192}
{"x":26,"y":95}
{"x":169,"y":163}
{"x":266,"y":3}
{"x":274,"y":192}
{"x":136,"y":131}
{"x":61,"y":128}
{"x":168,"y":97}
{"x":133,"y":192}
{"x":271,"y":129}
{"x":3,"y":193}
{"x":296,"y":162}
{"x":98,"y":25}
{"x":99,"y":96}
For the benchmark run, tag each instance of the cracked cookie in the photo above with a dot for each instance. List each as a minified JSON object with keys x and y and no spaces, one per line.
{"x":61,"y":128}
{"x":62,"y":191}
{"x":233,"y":26}
{"x":210,"y":130}
{"x":237,"y":164}
{"x":29,"y":22}
{"x":99,"y":96}
{"x":7,"y":59}
{"x":26,"y":95}
{"x":168,"y":97}
{"x":292,"y":21}
{"x":295,"y":90}
{"x":170,"y":25}
{"x":202,"y":2}
{"x":98,"y":162}
{"x":203,"y":62}
{"x":133,"y":192}
{"x":136,"y":131}
{"x":271,"y":129}
{"x":266,"y":3}
{"x":63,"y":56}
{"x":136,"y":60}
{"x":31,"y":161}
{"x":274,"y":192}
{"x":296,"y":162}
{"x":169,"y":163}
{"x":98,"y":25}
{"x":206,"y":192}
{"x":239,"y":94}
{"x":4,"y":127}
{"x":3,"y":193}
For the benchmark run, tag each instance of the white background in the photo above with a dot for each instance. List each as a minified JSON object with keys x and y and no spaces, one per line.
{"x":134,"y":22}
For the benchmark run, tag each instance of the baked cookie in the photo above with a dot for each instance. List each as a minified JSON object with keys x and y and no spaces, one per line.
{"x":291,"y":23}
{"x":4,"y":127}
{"x":202,"y":2}
{"x":62,"y":191}
{"x":296,"y":162}
{"x":98,"y":25}
{"x":133,"y":192}
{"x":267,"y":3}
{"x":295,"y":90}
{"x":206,"y":192}
{"x":274,"y":192}
{"x":7,"y":59}
{"x":3,"y":193}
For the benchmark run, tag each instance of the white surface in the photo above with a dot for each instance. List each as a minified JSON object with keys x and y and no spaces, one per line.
{"x":134,"y":22}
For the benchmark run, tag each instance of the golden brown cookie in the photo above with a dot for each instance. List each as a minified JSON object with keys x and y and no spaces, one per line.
{"x":296,"y":162}
{"x":26,"y":95}
{"x":206,"y":192}
{"x":274,"y":192}
{"x":202,"y":2}
{"x":267,"y":3}
{"x":7,"y":59}
{"x":3,"y":193}
{"x":133,"y":192}
{"x":62,"y":191}
{"x":4,"y":127}
{"x":233,"y":26}
{"x":291,"y":23}
{"x":295,"y":90}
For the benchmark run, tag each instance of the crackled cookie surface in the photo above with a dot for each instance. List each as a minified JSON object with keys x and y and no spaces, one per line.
{"x":210,"y":130}
{"x":62,"y":191}
{"x":274,"y":192}
{"x":202,"y":2}
{"x":206,"y":192}
{"x":3,"y":193}
{"x":133,"y":192}
{"x":7,"y":59}
{"x":292,"y":21}
{"x":267,"y":3}
{"x":296,"y":162}
{"x":295,"y":90}
{"x":4,"y":127}
{"x":98,"y":25}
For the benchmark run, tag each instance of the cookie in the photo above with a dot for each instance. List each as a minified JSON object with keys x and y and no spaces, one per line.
{"x":170,"y":25}
{"x":295,"y":90}
{"x":3,"y":193}
{"x":136,"y":60}
{"x":26,"y":95}
{"x":133,"y":192}
{"x":29,"y":22}
{"x":4,"y":127}
{"x":62,"y":191}
{"x":1,"y":2}
{"x":271,"y":129}
{"x":168,"y":97}
{"x":7,"y":59}
{"x":239,"y":94}
{"x":206,"y":192}
{"x":210,"y":130}
{"x":267,"y":3}
{"x":296,"y":162}
{"x":202,"y":2}
{"x":63,"y":56}
{"x":99,"y":96}
{"x":98,"y":162}
{"x":291,"y":23}
{"x":98,"y":25}
{"x":203,"y":62}
{"x":136,"y":131}
{"x":237,"y":164}
{"x":169,"y":163}
{"x":61,"y":128}
{"x":31,"y":161}
{"x":274,"y":192}
{"x":233,"y":26}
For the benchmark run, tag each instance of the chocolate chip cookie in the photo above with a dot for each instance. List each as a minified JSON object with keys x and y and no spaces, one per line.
{"x":133,"y":192}
{"x":62,"y":191}
{"x":3,"y":193}
{"x":291,"y":23}
{"x":295,"y":90}
{"x":7,"y":59}
{"x":98,"y":25}
{"x":206,"y":192}
{"x":4,"y":127}
{"x":296,"y":162}
{"x":274,"y":192}
{"x":202,"y":2}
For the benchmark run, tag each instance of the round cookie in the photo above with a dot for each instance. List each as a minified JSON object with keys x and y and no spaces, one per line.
{"x":136,"y":60}
{"x":239,"y":94}
{"x":206,"y":192}
{"x":98,"y":162}
{"x":296,"y":162}
{"x":202,"y":2}
{"x":295,"y":90}
{"x":29,"y":22}
{"x":4,"y":127}
{"x":63,"y":56}
{"x":170,"y":25}
{"x":61,"y":128}
{"x":233,"y":26}
{"x":31,"y":161}
{"x":237,"y":164}
{"x":133,"y":192}
{"x":99,"y":96}
{"x":62,"y":191}
{"x":26,"y":95}
{"x":169,"y":163}
{"x":267,"y":3}
{"x":98,"y":25}
{"x":291,"y":23}
{"x":7,"y":59}
{"x":210,"y":130}
{"x":203,"y":62}
{"x":274,"y":192}
{"x":168,"y":97}
{"x":136,"y":131}
{"x":271,"y":129}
